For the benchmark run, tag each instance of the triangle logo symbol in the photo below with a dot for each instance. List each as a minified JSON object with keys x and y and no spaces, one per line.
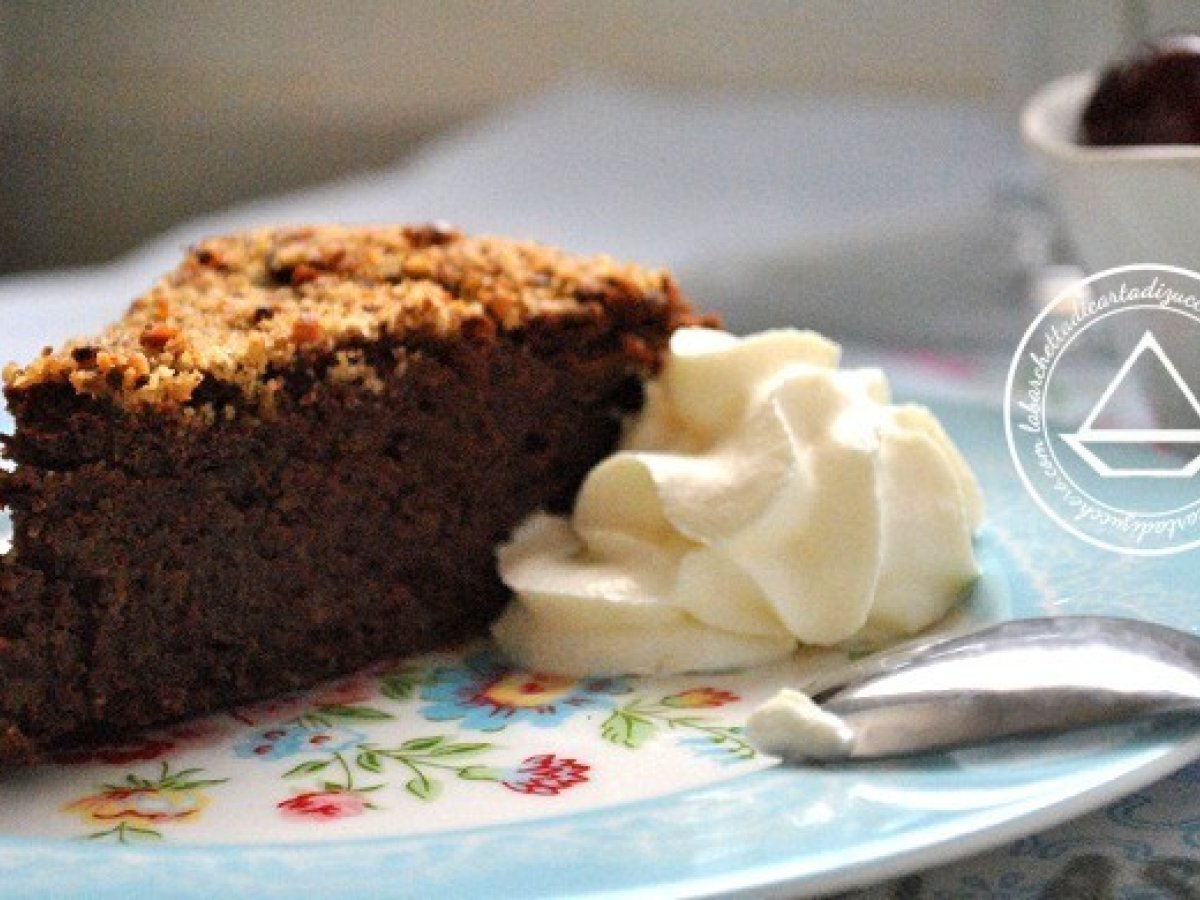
{"x":1088,"y":433}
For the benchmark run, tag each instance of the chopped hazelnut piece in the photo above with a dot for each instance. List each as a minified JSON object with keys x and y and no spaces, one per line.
{"x":155,"y":337}
{"x":85,"y":356}
{"x":306,"y":330}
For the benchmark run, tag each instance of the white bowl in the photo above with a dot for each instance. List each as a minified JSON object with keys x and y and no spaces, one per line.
{"x":1122,"y":205}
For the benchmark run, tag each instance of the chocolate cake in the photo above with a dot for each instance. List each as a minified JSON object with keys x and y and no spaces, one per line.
{"x":294,"y":456}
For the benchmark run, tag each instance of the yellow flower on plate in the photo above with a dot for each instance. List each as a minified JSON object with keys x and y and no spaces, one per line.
{"x":149,"y":806}
{"x":132,"y":807}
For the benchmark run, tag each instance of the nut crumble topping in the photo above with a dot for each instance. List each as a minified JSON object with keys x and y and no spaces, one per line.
{"x":242,"y":306}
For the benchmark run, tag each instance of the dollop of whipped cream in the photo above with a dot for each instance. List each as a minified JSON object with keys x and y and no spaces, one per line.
{"x":762,"y":499}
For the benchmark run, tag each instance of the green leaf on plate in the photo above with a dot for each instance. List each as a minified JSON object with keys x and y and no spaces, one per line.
{"x":460,"y":749}
{"x":306,"y":768}
{"x":357,"y":713}
{"x":370,"y":761}
{"x":423,"y":788}
{"x":627,"y":729}
{"x":422,"y":745}
{"x":401,"y":685}
{"x":479,"y":773}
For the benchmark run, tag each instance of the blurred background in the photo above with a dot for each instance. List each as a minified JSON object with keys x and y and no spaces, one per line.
{"x":121,"y":119}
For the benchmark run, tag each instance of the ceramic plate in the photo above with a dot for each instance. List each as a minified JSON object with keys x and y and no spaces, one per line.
{"x":451,"y":775}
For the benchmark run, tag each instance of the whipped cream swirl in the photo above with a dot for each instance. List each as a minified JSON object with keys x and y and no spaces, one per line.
{"x":762,"y":499}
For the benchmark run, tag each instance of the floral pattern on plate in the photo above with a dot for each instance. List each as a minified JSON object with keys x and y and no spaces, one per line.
{"x":135,"y":808}
{"x":485,"y":695}
{"x":461,"y":732}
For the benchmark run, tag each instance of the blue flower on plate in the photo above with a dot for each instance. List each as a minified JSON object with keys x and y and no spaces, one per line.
{"x":714,"y":749}
{"x":291,"y":738}
{"x":487,"y":696}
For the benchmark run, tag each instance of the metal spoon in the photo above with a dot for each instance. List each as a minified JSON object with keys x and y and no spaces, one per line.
{"x":1027,"y":677}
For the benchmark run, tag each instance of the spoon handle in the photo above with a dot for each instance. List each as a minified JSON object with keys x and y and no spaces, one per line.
{"x":1032,"y":677}
{"x":884,"y":727}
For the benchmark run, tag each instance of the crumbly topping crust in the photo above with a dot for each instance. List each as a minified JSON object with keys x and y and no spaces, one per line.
{"x":242,"y":306}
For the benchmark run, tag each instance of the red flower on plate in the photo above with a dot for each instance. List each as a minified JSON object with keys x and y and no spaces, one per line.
{"x":274,"y":710}
{"x":546,"y":775}
{"x":152,"y":745}
{"x":323,"y":806}
{"x":344,"y":691}
{"x":700,"y":698}
{"x":137,"y":749}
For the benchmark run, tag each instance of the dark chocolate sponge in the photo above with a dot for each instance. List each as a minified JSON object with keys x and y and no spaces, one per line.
{"x":294,"y":456}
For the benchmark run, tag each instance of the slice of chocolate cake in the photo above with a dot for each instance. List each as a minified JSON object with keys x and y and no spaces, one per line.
{"x":294,"y":456}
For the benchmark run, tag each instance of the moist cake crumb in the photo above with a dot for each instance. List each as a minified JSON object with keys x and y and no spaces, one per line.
{"x":294,"y":457}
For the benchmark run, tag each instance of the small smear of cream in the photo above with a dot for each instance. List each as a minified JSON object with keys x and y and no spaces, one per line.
{"x":791,"y":726}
